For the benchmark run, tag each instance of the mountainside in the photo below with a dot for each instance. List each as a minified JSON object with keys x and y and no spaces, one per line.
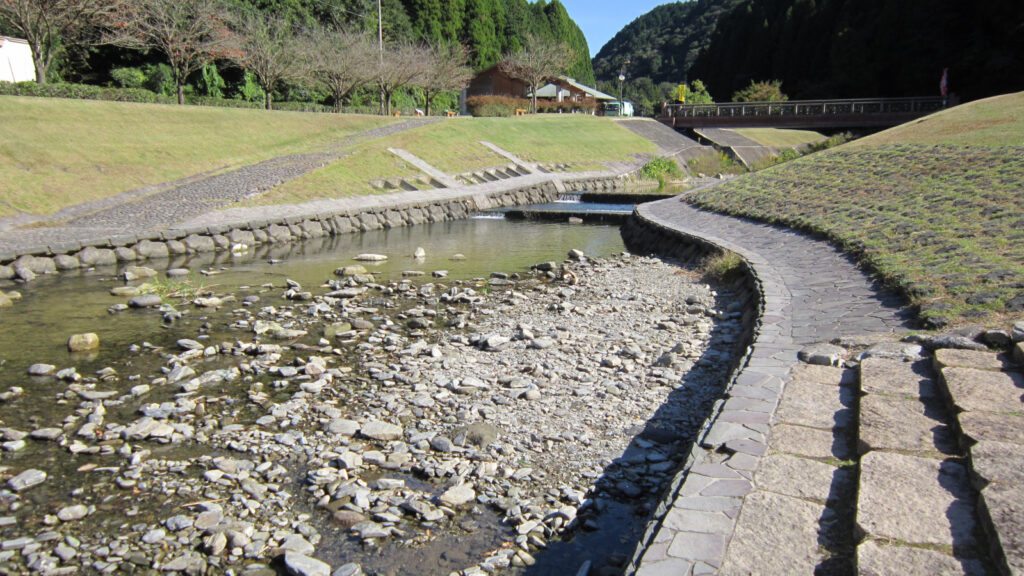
{"x":863,"y":48}
{"x":662,"y":44}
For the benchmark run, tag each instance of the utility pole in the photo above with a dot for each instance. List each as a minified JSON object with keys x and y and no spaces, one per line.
{"x":380,"y":54}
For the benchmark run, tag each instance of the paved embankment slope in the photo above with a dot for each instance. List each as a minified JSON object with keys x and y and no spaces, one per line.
{"x":812,"y":468}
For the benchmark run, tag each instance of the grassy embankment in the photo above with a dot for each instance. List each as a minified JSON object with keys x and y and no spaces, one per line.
{"x":56,"y":153}
{"x":453,"y":146}
{"x":934,"y":207}
{"x":780,"y":138}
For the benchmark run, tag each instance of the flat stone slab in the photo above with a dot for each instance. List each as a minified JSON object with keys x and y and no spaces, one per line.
{"x":815,"y":405}
{"x":953,"y":357}
{"x":810,"y":442}
{"x":822,"y":374}
{"x":887,"y":376}
{"x":897,"y":424}
{"x":879,"y":559}
{"x":802,"y":478}
{"x":974,"y":389}
{"x":980,"y":426}
{"x":915,"y":500}
{"x":999,"y":463}
{"x":1005,"y":506}
{"x":775,"y":535}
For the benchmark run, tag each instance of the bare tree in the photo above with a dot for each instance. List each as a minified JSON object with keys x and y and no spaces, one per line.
{"x":268,"y":46}
{"x":340,"y":60}
{"x":50,"y":26}
{"x":539,"y":62}
{"x":401,"y":65}
{"x":189,"y":33}
{"x":446,"y":67}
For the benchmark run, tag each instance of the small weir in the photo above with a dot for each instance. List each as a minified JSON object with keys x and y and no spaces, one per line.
{"x":577,"y":207}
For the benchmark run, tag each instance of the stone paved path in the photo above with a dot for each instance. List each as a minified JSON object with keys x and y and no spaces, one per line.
{"x":905,"y":462}
{"x":812,"y":293}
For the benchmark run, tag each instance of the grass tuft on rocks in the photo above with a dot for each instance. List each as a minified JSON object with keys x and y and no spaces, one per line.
{"x":933,"y":207}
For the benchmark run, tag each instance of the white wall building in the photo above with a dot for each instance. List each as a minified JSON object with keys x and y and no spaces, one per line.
{"x":16,"y":60}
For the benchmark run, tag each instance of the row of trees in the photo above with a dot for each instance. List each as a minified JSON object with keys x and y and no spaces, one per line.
{"x":273,"y":47}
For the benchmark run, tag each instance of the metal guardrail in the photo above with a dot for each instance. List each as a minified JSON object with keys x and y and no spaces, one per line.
{"x":806,"y":108}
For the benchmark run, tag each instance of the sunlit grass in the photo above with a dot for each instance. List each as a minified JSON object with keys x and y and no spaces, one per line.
{"x":57,"y":152}
{"x":939,"y":216}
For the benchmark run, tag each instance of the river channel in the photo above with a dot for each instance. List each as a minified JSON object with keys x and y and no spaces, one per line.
{"x":455,"y":412}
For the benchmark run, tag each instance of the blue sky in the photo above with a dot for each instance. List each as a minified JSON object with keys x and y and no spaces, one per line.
{"x":602,"y":19}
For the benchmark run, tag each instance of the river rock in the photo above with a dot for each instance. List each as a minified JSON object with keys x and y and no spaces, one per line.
{"x":41,"y":369}
{"x":822,"y":355}
{"x":27,"y":479}
{"x":5,"y":300}
{"x":352,"y":270}
{"x":83,"y":342}
{"x":72,"y":513}
{"x":90,"y":256}
{"x":370,"y":258}
{"x":302,"y":565}
{"x":343,"y":427}
{"x":479,"y":434}
{"x":457,"y":495}
{"x":145,"y":301}
{"x":189,"y":344}
{"x":66,"y":262}
{"x":149,"y":249}
{"x":575,"y":254}
{"x":350,"y":569}
{"x":132,"y":273}
{"x":382,"y":431}
{"x":348,"y":518}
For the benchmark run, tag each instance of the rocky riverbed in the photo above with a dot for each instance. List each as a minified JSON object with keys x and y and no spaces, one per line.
{"x":423,"y":426}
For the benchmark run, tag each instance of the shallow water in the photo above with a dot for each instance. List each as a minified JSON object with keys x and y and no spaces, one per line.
{"x":36,"y":329}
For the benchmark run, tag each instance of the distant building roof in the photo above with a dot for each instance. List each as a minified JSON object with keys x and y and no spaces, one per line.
{"x":551,"y":90}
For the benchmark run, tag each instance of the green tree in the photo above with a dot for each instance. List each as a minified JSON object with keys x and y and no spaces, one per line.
{"x":189,"y":33}
{"x":539,"y":61}
{"x":761,"y":92}
{"x":50,"y":26}
{"x":697,"y":93}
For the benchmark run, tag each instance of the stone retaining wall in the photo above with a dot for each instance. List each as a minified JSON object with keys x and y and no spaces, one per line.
{"x":182,"y":242}
{"x":644,"y":236}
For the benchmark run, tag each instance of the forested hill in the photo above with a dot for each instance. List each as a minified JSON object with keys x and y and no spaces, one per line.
{"x":662,"y":44}
{"x":489,"y":28}
{"x":823,"y":48}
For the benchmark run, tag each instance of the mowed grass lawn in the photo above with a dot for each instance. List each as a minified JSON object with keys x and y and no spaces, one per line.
{"x":56,"y":153}
{"x":935,"y":207}
{"x":454,"y":146}
{"x":780,"y":138}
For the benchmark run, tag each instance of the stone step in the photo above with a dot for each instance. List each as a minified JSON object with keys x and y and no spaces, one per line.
{"x":916,"y":505}
{"x":988,"y":391}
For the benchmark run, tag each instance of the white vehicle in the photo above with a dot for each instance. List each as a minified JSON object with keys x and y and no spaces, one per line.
{"x":618,"y":108}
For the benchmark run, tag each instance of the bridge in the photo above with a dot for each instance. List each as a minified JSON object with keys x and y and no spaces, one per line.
{"x":807,"y":114}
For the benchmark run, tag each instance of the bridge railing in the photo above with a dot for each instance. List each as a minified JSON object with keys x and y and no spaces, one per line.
{"x":806,"y":108}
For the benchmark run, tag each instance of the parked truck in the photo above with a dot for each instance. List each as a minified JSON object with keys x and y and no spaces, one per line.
{"x":618,"y":108}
